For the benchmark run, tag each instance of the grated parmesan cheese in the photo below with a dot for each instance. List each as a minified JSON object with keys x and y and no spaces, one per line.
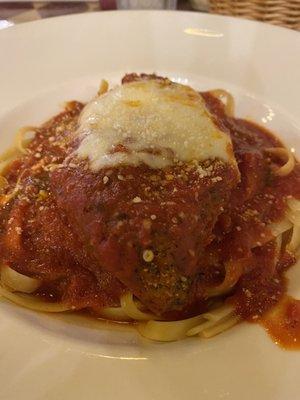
{"x":137,"y":200}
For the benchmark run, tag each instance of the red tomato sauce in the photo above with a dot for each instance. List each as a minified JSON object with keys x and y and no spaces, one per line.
{"x":37,"y":239}
{"x":283,"y":323}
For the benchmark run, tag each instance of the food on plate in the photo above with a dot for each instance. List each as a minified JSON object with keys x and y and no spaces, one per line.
{"x":151,"y":204}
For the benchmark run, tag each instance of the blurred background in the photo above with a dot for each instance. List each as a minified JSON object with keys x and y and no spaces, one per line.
{"x":278,"y":12}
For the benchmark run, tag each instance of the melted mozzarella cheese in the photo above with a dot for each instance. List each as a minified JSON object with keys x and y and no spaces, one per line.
{"x":152,"y":122}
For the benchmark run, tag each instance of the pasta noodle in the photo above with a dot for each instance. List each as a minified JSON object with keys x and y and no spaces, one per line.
{"x":7,"y":157}
{"x":115,"y":314}
{"x":167,"y":331}
{"x":286,"y":156}
{"x":4,"y":199}
{"x":205,"y":325}
{"x":103,"y":88}
{"x":33,"y":303}
{"x":293,"y":214}
{"x":10,"y":155}
{"x":130,"y":309}
{"x":278,"y":242}
{"x":3,"y":182}
{"x":294,"y":244}
{"x":218,"y":328}
{"x":233,"y":272}
{"x":215,"y":321}
{"x":20,"y":141}
{"x":226,"y":98}
{"x":278,"y":228}
{"x":18,"y":282}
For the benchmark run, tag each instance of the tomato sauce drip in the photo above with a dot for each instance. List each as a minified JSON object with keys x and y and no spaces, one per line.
{"x":283,"y":323}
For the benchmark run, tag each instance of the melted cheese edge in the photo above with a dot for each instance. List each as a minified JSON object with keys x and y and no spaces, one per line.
{"x":152,"y":122}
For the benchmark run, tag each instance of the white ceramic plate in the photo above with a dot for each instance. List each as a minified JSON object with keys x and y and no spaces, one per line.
{"x":47,"y":62}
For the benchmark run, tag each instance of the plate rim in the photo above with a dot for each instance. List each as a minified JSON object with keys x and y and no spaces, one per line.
{"x":176,"y":12}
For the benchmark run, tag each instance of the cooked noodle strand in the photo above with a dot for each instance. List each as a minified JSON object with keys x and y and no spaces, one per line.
{"x":20,"y":141}
{"x":131,"y":310}
{"x":226,"y":98}
{"x":103,"y":88}
{"x":32,"y":302}
{"x":286,"y":156}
